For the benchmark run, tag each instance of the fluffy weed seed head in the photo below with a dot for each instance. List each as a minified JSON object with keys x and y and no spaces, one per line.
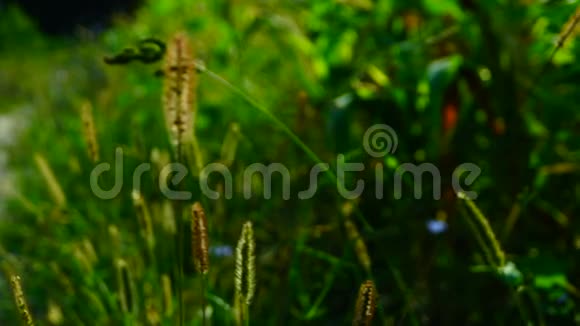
{"x":245,"y":275}
{"x":179,"y":90}
{"x":366,"y":304}
{"x":199,"y":237}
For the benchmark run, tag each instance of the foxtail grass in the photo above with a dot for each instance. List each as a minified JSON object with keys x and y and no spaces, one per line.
{"x":179,"y":99}
{"x":114,"y":237}
{"x":360,"y":247}
{"x":366,"y":304}
{"x":145,"y":223}
{"x":178,"y":95}
{"x":167,"y":295}
{"x":484,"y":234}
{"x":281,"y":125}
{"x":180,"y":108}
{"x":568,"y":31}
{"x":200,"y":66}
{"x":126,"y":291}
{"x":496,"y":258}
{"x":83,"y":259}
{"x":51,"y":182}
{"x":54,"y":313}
{"x":89,"y":131}
{"x":200,"y":242}
{"x":245,"y":273}
{"x":200,"y":248}
{"x":20,"y":300}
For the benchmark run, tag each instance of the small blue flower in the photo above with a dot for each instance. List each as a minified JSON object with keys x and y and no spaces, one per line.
{"x":436,"y":226}
{"x":562,"y":298}
{"x":221,"y":251}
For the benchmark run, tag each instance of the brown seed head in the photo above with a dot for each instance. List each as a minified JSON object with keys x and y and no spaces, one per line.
{"x":365,"y":304}
{"x":200,"y":242}
{"x":179,"y":91}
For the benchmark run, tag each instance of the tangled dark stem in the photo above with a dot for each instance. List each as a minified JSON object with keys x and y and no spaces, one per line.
{"x":149,"y":50}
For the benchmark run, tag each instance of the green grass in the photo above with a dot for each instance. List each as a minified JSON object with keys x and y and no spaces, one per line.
{"x":298,"y":83}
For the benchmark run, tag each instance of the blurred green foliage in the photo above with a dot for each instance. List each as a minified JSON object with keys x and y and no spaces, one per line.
{"x":459,"y":81}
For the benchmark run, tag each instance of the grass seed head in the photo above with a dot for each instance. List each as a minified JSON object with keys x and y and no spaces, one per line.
{"x":200,"y":242}
{"x":245,"y":275}
{"x":365,"y":304}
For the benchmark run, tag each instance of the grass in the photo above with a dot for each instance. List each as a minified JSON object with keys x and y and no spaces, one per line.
{"x":298,"y":84}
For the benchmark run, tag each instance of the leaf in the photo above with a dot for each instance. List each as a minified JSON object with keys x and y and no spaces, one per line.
{"x":549,"y":281}
{"x":440,"y":74}
{"x":444,"y":8}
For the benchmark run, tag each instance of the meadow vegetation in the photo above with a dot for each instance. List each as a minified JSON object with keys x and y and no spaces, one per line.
{"x":493,"y":83}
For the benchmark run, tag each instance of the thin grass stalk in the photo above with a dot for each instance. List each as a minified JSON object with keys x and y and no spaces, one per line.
{"x":100,"y":317}
{"x":360,"y":250}
{"x":230,"y":144}
{"x":203,"y":299}
{"x":484,"y":233}
{"x":524,"y":313}
{"x":492,"y":249}
{"x":483,"y":245}
{"x":180,"y":261}
{"x":329,"y":280}
{"x":533,"y":302}
{"x":256,"y":105}
{"x":406,"y":295}
{"x":360,"y":247}
{"x":146,"y":224}
{"x":359,"y":244}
